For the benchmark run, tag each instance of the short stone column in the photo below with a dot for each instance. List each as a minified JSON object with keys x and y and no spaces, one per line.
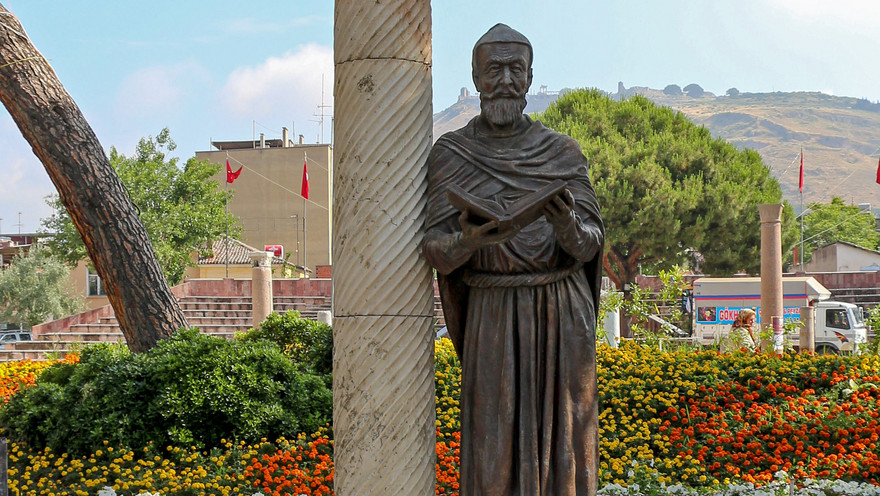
{"x":383,"y":306}
{"x":771,"y":266}
{"x":808,"y":329}
{"x":325,"y":317}
{"x":612,"y":328}
{"x":261,"y":286}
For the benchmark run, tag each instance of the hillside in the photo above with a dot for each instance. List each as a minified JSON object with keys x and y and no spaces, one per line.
{"x":839,"y":135}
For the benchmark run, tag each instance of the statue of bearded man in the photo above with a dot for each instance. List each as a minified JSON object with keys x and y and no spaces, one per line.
{"x":520,"y":303}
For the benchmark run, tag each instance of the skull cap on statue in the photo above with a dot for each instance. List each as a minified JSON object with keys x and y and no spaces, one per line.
{"x":502,"y":33}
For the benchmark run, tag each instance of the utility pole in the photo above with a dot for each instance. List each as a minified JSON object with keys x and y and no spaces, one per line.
{"x":321,"y":113}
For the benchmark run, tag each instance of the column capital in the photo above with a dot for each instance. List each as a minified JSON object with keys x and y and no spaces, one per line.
{"x":262,"y":258}
{"x":770,"y":212}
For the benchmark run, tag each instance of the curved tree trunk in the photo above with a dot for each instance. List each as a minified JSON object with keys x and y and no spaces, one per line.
{"x":104,"y":215}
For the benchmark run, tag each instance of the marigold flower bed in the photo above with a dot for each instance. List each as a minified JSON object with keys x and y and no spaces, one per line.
{"x":17,"y":375}
{"x":697,"y":418}
{"x":706,"y":418}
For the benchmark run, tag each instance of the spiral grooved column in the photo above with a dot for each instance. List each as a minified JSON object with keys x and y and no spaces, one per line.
{"x":383,"y":381}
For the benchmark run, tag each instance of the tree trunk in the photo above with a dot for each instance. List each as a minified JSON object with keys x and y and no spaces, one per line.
{"x":103,"y":214}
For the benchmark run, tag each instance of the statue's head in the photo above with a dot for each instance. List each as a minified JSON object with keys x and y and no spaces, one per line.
{"x":502,"y":71}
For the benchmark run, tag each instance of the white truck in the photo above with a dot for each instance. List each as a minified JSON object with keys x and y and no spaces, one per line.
{"x":840,"y":327}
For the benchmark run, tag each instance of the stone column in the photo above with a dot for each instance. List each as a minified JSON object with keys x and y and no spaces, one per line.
{"x":261,"y":287}
{"x":383,"y":379}
{"x":325,"y":317}
{"x":771,"y":265}
{"x":808,"y":329}
{"x":612,"y":328}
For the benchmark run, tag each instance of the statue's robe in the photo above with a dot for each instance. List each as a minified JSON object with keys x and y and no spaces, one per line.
{"x":521,"y":315}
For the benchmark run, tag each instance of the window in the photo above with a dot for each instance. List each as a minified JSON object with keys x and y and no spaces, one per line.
{"x":95,"y":286}
{"x":836,"y":317}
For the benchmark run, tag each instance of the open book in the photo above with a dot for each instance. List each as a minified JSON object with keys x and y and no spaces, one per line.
{"x":521,"y":213}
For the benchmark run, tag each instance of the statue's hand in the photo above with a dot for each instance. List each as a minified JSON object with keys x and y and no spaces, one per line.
{"x":560,"y":211}
{"x":476,"y":236}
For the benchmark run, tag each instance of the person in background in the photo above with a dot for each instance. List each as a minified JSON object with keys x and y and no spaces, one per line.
{"x":741,"y":334}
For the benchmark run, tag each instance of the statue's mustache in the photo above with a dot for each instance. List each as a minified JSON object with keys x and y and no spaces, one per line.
{"x":501,"y":94}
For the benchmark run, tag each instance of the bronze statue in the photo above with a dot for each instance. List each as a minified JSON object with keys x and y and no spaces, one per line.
{"x":519,"y":295}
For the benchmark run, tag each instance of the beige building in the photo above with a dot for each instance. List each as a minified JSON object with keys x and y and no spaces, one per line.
{"x":85,"y":281}
{"x":267,"y":195}
{"x":843,"y":257}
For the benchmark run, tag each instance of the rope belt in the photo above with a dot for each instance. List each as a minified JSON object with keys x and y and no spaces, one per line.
{"x":489,"y":280}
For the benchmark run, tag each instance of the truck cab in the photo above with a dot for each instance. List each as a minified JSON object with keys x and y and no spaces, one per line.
{"x":840,"y":327}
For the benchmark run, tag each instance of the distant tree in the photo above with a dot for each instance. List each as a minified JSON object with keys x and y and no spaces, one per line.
{"x":694,"y":90}
{"x":33,"y":289}
{"x":732,"y":92}
{"x":672,"y":90}
{"x":667,"y":189}
{"x":827,"y":223}
{"x":181,"y":208}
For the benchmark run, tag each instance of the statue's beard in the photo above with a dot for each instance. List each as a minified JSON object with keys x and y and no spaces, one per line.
{"x":502,"y":111}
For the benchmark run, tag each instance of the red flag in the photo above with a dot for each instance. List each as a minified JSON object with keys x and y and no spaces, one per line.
{"x":305,"y":185}
{"x":232,"y":176}
{"x":801,"y":183}
{"x":878,"y":172}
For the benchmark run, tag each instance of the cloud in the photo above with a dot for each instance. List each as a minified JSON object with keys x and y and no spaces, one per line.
{"x":158,"y":90}
{"x":281,"y":87}
{"x":25,"y":182}
{"x":12,"y":177}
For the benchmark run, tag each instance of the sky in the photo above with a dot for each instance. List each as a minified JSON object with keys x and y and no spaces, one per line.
{"x":222,"y":70}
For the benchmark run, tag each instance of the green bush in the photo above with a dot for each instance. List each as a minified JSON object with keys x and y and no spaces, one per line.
{"x":191,"y":389}
{"x":306,"y":342}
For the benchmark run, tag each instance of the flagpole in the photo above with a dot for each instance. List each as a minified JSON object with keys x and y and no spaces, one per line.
{"x":802,"y":232}
{"x":305,"y":246}
{"x":305,"y":267}
{"x":802,"y":210}
{"x":226,"y":218}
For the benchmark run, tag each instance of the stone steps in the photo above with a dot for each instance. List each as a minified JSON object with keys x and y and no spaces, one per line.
{"x":114,"y":329}
{"x":208,"y":316}
{"x":218,"y":316}
{"x":33,"y":355}
{"x":280,"y":307}
{"x":195,"y":321}
{"x":83,"y":337}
